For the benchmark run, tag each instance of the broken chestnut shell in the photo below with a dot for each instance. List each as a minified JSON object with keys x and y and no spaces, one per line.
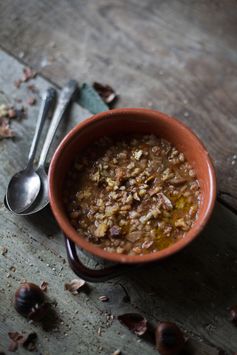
{"x":233,"y":314}
{"x":169,"y":339}
{"x":30,"y":302}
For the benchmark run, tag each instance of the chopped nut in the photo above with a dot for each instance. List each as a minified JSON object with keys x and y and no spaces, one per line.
{"x":119,"y":250}
{"x":142,"y":192}
{"x":101,"y":230}
{"x":134,"y":236}
{"x":111,"y":210}
{"x":135,"y":172}
{"x":136,"y":197}
{"x":181,"y":157}
{"x":180,"y":223}
{"x":178,"y":181}
{"x":166,"y":174}
{"x":110,"y":182}
{"x":166,"y":201}
{"x":155,"y":190}
{"x":137,"y":250}
{"x":192,"y":173}
{"x":138,"y":154}
{"x":131,"y":165}
{"x":115,"y":231}
{"x":149,"y":215}
{"x":147,"y":244}
{"x":96,"y":177}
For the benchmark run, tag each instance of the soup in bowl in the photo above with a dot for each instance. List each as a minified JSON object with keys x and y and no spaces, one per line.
{"x":131,"y":185}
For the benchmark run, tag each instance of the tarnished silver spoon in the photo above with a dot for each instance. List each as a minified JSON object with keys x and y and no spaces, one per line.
{"x":42,"y":199}
{"x":24,"y":186}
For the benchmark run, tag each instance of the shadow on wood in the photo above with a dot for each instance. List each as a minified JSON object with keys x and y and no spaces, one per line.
{"x":207,"y":265}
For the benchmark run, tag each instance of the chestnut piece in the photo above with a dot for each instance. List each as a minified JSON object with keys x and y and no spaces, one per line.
{"x":233,"y":314}
{"x":169,"y":339}
{"x":30,"y":302}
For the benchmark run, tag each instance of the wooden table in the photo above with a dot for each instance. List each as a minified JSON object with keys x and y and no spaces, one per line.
{"x":176,"y":56}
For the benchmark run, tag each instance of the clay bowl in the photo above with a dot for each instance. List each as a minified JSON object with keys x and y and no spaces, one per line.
{"x":132,"y":120}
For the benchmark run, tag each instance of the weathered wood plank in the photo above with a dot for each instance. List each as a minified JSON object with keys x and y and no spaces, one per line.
{"x":176,"y":56}
{"x":193,"y":288}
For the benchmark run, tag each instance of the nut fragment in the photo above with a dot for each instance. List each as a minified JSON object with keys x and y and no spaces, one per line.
{"x":134,"y":236}
{"x":233,"y":314}
{"x":181,"y":224}
{"x":5,"y":130}
{"x":138,"y":154}
{"x":104,"y":298}
{"x":106,"y":92}
{"x":44,"y":286}
{"x":147,"y":244}
{"x":28,"y":74}
{"x":74,"y":286}
{"x":134,"y":322}
{"x":101,"y":230}
{"x":3,"y":251}
{"x":116,"y":352}
{"x":31,"y":101}
{"x":27,"y":340}
{"x":115,"y":231}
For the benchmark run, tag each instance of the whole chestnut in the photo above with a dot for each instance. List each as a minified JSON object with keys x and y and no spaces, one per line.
{"x":169,"y":339}
{"x":29,"y":301}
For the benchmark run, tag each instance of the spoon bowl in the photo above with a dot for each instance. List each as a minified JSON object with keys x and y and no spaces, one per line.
{"x":43,"y":196}
{"x":23,"y":189}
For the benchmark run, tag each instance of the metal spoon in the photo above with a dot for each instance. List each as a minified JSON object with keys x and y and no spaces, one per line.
{"x":24,"y":186}
{"x":42,"y":199}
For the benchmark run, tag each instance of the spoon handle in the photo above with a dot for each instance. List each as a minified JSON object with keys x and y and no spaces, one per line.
{"x":48,"y":99}
{"x":65,"y":98}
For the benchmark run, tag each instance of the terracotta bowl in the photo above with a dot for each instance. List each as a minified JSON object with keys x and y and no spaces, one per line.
{"x":131,"y":120}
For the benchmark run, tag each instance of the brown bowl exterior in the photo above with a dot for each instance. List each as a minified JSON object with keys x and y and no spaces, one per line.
{"x":132,"y":120}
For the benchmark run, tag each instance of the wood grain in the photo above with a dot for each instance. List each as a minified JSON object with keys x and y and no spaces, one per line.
{"x":193,"y":289}
{"x":176,"y":56}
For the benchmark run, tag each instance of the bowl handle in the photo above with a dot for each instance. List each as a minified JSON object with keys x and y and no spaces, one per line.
{"x":87,"y":274}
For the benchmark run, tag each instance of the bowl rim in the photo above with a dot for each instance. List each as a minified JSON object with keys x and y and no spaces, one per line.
{"x":72,"y":234}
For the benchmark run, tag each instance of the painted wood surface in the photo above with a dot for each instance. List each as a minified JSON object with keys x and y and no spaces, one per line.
{"x":178,"y":56}
{"x":175,"y":56}
{"x":193,"y":289}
